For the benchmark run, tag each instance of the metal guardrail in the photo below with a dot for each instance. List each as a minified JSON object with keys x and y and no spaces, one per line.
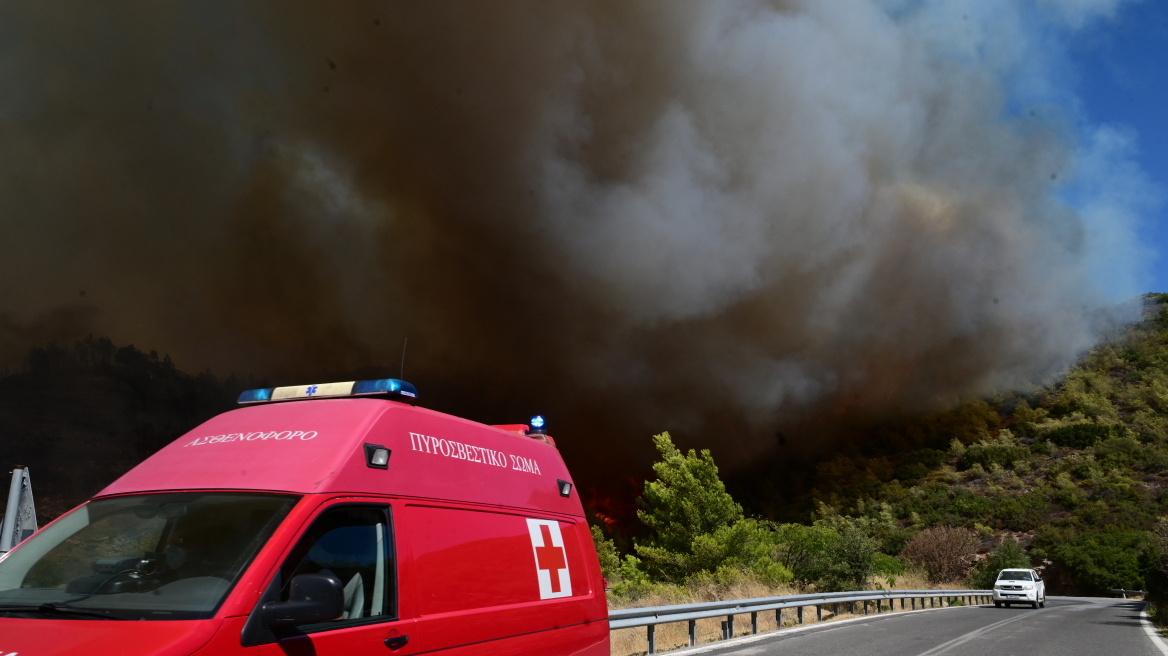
{"x":1122,"y":592}
{"x":651,"y":616}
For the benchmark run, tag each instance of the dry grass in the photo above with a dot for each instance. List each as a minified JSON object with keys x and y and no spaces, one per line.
{"x":631,"y":642}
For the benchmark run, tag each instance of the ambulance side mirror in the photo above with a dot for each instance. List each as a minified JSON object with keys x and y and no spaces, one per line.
{"x":312,"y":598}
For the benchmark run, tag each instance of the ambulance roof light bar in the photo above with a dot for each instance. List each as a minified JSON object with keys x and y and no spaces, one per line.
{"x":393,"y":387}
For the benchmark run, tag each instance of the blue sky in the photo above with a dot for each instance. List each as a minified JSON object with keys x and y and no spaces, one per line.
{"x":1120,"y":70}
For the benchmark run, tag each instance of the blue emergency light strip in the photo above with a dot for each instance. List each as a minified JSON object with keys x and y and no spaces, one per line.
{"x":390,"y":386}
{"x":256,"y":395}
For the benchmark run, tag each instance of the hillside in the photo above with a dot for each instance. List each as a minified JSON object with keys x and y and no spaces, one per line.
{"x":1076,"y":470}
{"x":81,"y":416}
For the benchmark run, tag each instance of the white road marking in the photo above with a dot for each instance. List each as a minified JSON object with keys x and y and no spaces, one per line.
{"x":1151,"y":631}
{"x":960,"y":640}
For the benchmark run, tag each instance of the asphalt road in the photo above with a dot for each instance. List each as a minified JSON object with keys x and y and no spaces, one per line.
{"x":1068,"y":625}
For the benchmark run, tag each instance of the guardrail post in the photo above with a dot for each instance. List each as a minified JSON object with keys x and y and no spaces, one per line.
{"x":754,"y":622}
{"x":652,"y":637}
{"x":902,"y":603}
{"x":799,"y":612}
{"x":730,"y":625}
{"x":879,"y":603}
{"x":818,"y":612}
{"x":693,"y":632}
{"x":723,"y":629}
{"x":778,"y":618}
{"x":865,"y":606}
{"x":835,"y":610}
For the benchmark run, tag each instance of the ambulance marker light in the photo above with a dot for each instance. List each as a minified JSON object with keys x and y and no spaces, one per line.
{"x":565,"y":487}
{"x":385,"y":386}
{"x":538,"y":426}
{"x":256,"y":395}
{"x":376,"y":456}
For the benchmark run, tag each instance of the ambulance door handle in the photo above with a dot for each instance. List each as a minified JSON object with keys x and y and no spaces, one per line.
{"x":397,"y":642}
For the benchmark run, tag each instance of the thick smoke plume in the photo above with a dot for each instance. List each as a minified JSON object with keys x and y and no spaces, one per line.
{"x":724,"y":218}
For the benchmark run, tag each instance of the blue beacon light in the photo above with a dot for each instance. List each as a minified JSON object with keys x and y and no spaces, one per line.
{"x":256,"y":395}
{"x":385,"y":386}
{"x":538,"y":426}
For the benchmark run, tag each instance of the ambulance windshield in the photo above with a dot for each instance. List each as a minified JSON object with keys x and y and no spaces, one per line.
{"x":140,"y":557}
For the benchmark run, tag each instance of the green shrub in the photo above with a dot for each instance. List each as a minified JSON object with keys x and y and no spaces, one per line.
{"x":1022,"y":511}
{"x":1079,"y":436}
{"x":830,"y":558}
{"x":1108,"y":560}
{"x":1008,"y":555}
{"x":1118,"y":450}
{"x":886,"y":565}
{"x":915,"y":465}
{"x":996,"y":453}
{"x":746,"y":546}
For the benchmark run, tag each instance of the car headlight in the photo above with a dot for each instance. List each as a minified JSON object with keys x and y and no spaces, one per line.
{"x":1027,"y":586}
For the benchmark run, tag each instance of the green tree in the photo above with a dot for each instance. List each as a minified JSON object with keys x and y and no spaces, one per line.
{"x":698,"y":528}
{"x":687,"y":499}
{"x":1008,"y":555}
{"x":610,"y":561}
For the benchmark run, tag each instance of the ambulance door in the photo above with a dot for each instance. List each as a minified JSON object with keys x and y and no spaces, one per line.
{"x":498,"y":581}
{"x":353,"y":541}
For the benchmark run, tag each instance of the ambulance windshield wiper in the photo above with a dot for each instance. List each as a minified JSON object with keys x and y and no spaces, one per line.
{"x":54,"y":607}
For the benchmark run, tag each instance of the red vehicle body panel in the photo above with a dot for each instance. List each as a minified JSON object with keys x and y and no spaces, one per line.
{"x":315,"y":447}
{"x":469,"y":503}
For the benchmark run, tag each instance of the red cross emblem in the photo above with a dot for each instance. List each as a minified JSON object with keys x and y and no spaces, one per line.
{"x":551,"y":562}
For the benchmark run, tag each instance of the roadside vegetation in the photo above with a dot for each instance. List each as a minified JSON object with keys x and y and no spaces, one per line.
{"x":703,"y":547}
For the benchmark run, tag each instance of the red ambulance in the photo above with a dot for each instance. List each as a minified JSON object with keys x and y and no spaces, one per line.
{"x":341,"y":521}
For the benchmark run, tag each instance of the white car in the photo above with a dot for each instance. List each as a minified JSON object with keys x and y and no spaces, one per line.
{"x":1019,"y":586}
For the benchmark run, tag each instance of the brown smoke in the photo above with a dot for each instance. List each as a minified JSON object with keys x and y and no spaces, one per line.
{"x":706,"y":216}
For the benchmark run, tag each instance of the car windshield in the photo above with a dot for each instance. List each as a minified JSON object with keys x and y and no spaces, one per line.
{"x":141,"y":557}
{"x":1014,"y":575}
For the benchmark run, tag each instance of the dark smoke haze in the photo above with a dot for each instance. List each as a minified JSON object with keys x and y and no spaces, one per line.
{"x":720,"y":218}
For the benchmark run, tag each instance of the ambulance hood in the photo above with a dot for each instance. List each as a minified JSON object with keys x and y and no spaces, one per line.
{"x":59,"y":637}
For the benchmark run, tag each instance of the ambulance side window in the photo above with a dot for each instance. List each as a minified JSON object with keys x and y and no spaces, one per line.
{"x":354,"y":544}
